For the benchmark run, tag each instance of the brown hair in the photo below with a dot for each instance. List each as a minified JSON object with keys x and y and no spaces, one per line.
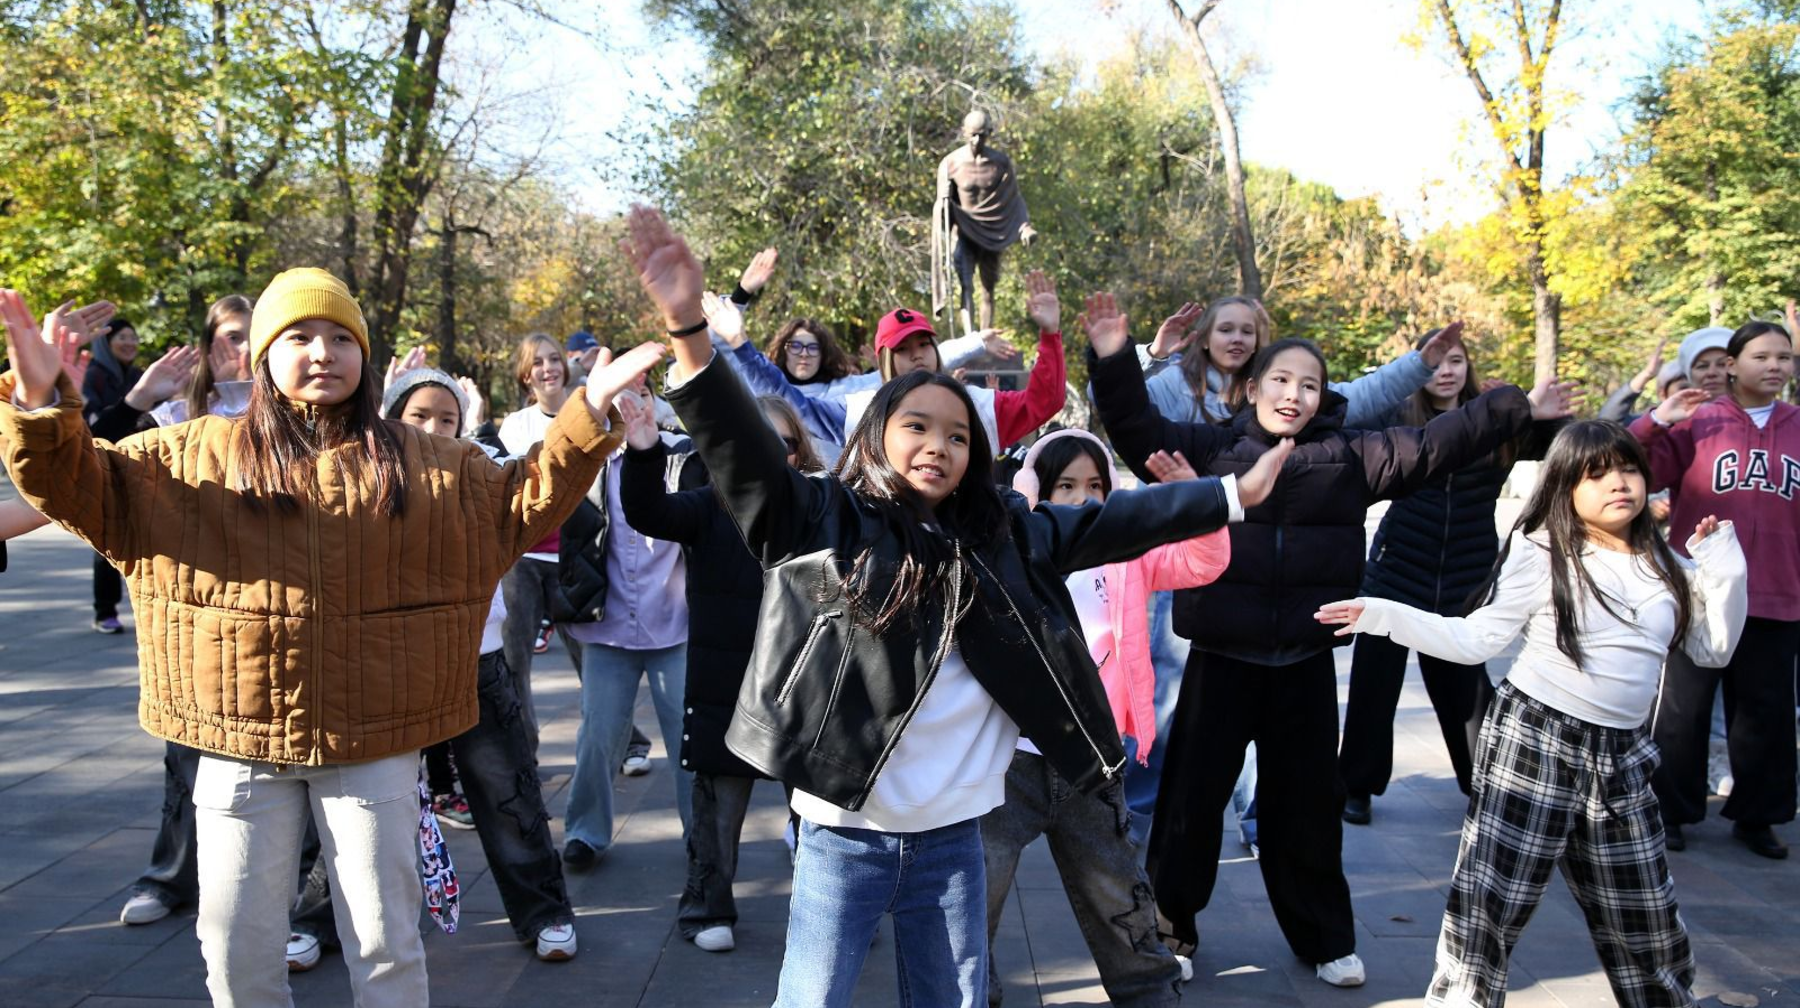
{"x":834,"y":363}
{"x":527,"y":359}
{"x":280,"y":441}
{"x":1195,"y":362}
{"x":200,"y":387}
{"x":806,"y":457}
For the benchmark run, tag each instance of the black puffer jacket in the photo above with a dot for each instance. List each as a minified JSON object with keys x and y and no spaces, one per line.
{"x":1436,"y":547}
{"x":1303,"y":547}
{"x":724,"y":590}
{"x":824,"y":702}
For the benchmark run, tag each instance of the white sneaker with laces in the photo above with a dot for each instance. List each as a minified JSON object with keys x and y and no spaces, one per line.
{"x":556,"y":943}
{"x":636,"y":765}
{"x":1345,"y":972}
{"x":143,"y":908}
{"x":717,"y":938}
{"x":1187,"y":967}
{"x":302,"y":952}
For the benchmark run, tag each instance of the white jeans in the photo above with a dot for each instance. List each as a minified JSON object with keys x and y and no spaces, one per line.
{"x":250,"y":818}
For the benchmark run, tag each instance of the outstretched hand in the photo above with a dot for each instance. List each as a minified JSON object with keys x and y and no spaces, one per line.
{"x":611,"y":375}
{"x":1643,"y":378}
{"x":477,"y":403}
{"x":1705,"y":527}
{"x":1342,"y":615}
{"x":71,"y":330}
{"x":1437,"y":347}
{"x":397,"y":366}
{"x":36,"y":355}
{"x":1175,"y":333}
{"x":162,"y":380}
{"x":1255,"y":486}
{"x":1170,"y":468}
{"x":724,"y":318}
{"x":666,"y":268}
{"x":1041,"y":304}
{"x":640,"y":422}
{"x":995,"y":343}
{"x":1554,"y":400}
{"x":1681,"y":405}
{"x":761,"y":268}
{"x":1105,"y":326}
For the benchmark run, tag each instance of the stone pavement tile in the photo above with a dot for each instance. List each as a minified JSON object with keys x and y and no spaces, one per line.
{"x":99,"y":869}
{"x":101,"y":923}
{"x":60,"y":959}
{"x":21,"y":993}
{"x":174,"y":969}
{"x":478,"y":965}
{"x":137,"y":1002}
{"x":25,"y":921}
{"x":26,"y":854}
{"x":1723,"y":967}
{"x":1077,"y":988}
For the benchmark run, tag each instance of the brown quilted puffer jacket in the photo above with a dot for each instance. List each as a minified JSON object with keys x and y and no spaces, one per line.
{"x":327,"y":634}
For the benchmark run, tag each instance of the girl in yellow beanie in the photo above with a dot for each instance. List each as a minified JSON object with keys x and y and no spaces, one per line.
{"x":311,"y":584}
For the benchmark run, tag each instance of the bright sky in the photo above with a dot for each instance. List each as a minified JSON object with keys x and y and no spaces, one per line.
{"x":1334,"y":94}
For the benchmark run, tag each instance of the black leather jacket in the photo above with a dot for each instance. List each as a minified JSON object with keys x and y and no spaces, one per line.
{"x":824,"y":702}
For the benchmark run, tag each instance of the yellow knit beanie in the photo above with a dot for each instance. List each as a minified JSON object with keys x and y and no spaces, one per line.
{"x":304,"y":293}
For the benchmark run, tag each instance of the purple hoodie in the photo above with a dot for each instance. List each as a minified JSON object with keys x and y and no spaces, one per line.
{"x":1718,"y":463}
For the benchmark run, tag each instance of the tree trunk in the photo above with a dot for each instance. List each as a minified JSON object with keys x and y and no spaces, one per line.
{"x":446,"y":320}
{"x":1243,"y":240}
{"x":1546,"y":314}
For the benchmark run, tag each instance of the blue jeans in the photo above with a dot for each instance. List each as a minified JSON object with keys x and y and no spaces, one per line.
{"x":609,"y":683}
{"x":1168,"y":656}
{"x":845,"y":880}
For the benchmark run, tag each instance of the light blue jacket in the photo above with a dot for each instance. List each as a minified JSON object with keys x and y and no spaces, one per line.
{"x":1371,"y":397}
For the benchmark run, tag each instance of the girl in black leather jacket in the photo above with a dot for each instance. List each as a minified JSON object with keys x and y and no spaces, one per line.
{"x":914,"y":624}
{"x":1257,"y":672}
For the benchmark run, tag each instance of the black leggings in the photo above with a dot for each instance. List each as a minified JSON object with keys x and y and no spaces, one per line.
{"x":1459,"y":694}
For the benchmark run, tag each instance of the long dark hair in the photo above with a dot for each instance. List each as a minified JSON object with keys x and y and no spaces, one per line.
{"x":1419,"y":409}
{"x":281,"y":441}
{"x":972,"y":517}
{"x":1585,"y":449}
{"x":200,"y":387}
{"x":834,"y":363}
{"x":806,"y":456}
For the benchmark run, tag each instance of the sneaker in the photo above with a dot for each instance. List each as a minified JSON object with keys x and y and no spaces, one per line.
{"x":109,"y":625}
{"x":578,"y":856}
{"x":637,"y":755}
{"x":1187,"y":967}
{"x":556,"y":943}
{"x":1673,"y":838}
{"x":1761,"y":840}
{"x":452,"y":810}
{"x":1723,"y":790}
{"x":1345,"y":972}
{"x":717,"y":938}
{"x":1357,"y":811}
{"x":542,"y":644}
{"x":302,"y":951}
{"x":144,"y":907}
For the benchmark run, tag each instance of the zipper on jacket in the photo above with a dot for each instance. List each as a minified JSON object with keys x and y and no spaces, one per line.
{"x":812,"y":637}
{"x":1437,"y":586}
{"x":1068,"y":702}
{"x":318,"y":621}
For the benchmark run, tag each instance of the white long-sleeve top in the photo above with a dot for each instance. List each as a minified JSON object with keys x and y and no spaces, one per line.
{"x":1623,"y":650}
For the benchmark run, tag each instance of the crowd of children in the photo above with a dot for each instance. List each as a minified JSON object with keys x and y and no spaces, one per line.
{"x":332,"y":573}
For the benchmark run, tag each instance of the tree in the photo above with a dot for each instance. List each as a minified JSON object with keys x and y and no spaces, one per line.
{"x":1243,"y":240}
{"x":1516,"y":103}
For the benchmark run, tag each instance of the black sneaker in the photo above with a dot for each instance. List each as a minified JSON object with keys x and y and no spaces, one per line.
{"x":1761,"y":840}
{"x":1673,"y":838}
{"x":1357,"y":810}
{"x":578,"y":856}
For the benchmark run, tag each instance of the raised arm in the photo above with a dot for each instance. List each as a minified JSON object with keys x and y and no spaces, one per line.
{"x":1400,"y":460}
{"x":1719,"y":589}
{"x":1017,"y":414}
{"x":643,"y":490}
{"x":1466,"y":640}
{"x":1374,"y":396}
{"x":1668,"y":439}
{"x":1135,"y":428}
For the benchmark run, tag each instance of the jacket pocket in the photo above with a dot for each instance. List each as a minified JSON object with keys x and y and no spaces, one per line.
{"x":819,"y":622}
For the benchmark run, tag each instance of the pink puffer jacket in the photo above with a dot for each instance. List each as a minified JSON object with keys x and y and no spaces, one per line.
{"x":1131,"y":681}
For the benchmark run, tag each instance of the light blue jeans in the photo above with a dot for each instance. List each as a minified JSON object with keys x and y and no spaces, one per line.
{"x":1168,"y":657}
{"x":609,"y":684}
{"x":845,"y":880}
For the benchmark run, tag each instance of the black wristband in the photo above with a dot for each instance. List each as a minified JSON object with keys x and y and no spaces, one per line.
{"x":742,"y":296}
{"x":694,"y":330}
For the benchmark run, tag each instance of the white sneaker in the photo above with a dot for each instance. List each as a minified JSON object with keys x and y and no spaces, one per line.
{"x":143,"y":908}
{"x":1345,"y":972}
{"x":302,"y":952}
{"x":1725,"y":786}
{"x":636,"y":765}
{"x":556,"y":943}
{"x":1187,"y":967}
{"x":717,"y":938}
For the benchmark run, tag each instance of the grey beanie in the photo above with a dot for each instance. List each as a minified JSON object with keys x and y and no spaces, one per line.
{"x":1698,"y":342}
{"x":404,"y":385}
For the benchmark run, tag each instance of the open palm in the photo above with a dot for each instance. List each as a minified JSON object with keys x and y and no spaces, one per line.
{"x":35,"y":358}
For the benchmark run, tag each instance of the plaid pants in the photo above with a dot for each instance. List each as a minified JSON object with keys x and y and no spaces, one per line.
{"x":1553,"y":790}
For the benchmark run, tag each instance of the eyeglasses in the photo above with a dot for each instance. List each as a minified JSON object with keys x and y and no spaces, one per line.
{"x":803,"y":349}
{"x":793,"y":445}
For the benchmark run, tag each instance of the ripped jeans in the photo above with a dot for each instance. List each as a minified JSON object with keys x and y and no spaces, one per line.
{"x":1090,"y":841}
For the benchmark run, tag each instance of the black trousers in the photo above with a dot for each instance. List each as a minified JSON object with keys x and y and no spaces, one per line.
{"x":1459,"y":694}
{"x":1759,"y":728}
{"x":171,"y":874}
{"x":1290,"y":712}
{"x":109,"y":589}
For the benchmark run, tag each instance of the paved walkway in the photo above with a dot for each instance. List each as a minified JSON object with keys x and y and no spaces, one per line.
{"x":80,"y":785}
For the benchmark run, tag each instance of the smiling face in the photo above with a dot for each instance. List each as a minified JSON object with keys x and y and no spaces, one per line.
{"x":545,"y":376}
{"x":1287,"y":394}
{"x":1608,"y":502}
{"x":316,"y":361}
{"x":927,"y":441}
{"x":124,"y":345}
{"x":1078,"y":483}
{"x":1448,"y":380}
{"x":1762,"y":369}
{"x":801,"y":354}
{"x":1232,"y":338}
{"x":917,"y":352}
{"x":1709,"y":372}
{"x":434,"y":410}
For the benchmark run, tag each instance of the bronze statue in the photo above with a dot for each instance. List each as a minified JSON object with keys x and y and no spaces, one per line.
{"x":979,"y":212}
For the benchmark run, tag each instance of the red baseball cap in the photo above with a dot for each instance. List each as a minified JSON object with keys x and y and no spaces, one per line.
{"x":898,"y":324}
